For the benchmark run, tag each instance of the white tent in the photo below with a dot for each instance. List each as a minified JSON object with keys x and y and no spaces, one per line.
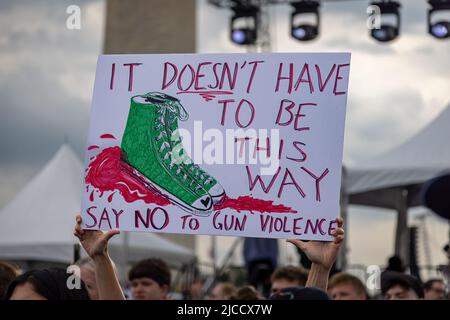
{"x":393,"y":179}
{"x":420,"y":158}
{"x":38,"y":224}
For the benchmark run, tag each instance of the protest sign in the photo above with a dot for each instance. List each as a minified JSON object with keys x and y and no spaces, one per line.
{"x":219,"y":144}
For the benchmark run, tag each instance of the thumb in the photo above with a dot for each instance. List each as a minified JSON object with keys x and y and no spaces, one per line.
{"x":109,"y":234}
{"x":298,"y":243}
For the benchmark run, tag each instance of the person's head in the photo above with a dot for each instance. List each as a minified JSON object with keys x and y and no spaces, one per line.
{"x":286,"y":277}
{"x":399,"y":286}
{"x":87,"y":275}
{"x":247,"y":293}
{"x":8,"y":273}
{"x":395,"y":263}
{"x":46,"y":284}
{"x":196,"y":288}
{"x":300,"y":293}
{"x":344,"y":286}
{"x":150,"y":280}
{"x":434,"y":289}
{"x":222,"y":291}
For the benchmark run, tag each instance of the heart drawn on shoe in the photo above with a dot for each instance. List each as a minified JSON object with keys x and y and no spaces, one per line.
{"x":205,"y":202}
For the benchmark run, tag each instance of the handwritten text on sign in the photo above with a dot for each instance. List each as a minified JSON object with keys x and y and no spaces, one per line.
{"x":226,"y":144}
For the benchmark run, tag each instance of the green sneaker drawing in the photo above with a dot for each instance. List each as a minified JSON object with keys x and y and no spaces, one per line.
{"x":147,"y":152}
{"x":208,"y":182}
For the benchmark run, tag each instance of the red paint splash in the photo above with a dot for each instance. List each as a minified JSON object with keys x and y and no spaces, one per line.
{"x":207,"y":95}
{"x":107,"y":136}
{"x":110,"y":197}
{"x":107,"y":173}
{"x":248,"y":203}
{"x":93,"y":147}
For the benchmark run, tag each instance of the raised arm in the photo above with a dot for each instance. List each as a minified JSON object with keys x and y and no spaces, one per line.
{"x":322,"y":255}
{"x":95,"y":242}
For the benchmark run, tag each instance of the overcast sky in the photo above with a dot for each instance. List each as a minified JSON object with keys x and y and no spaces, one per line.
{"x":47,"y":74}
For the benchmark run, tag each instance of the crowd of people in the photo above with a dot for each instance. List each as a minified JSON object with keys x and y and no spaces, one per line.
{"x":151,"y":279}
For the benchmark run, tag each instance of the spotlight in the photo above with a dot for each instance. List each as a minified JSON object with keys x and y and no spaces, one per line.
{"x":244,"y":24}
{"x":301,"y":30}
{"x":439,"y":29}
{"x":387,"y":31}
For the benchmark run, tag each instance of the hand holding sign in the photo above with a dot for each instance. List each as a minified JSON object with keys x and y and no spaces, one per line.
{"x":95,"y":242}
{"x":321,"y":253}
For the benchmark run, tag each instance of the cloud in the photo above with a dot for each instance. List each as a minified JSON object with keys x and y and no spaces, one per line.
{"x":374,"y":121}
{"x":46,"y":85}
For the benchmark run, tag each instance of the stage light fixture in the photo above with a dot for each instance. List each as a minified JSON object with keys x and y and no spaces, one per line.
{"x":387,"y":31}
{"x":439,"y":29}
{"x":300,"y":29}
{"x":244,"y":24}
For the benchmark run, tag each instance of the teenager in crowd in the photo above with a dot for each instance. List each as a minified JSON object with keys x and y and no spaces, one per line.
{"x":150,"y":280}
{"x":344,"y":286}
{"x":400,"y":286}
{"x":434,"y":289}
{"x":87,"y":275}
{"x":195,"y":290}
{"x":287,"y":277}
{"x":47,"y":284}
{"x":8,"y":273}
{"x":247,"y":293}
{"x":222,"y":291}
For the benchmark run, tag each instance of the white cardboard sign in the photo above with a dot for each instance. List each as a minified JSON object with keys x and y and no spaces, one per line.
{"x":219,"y":144}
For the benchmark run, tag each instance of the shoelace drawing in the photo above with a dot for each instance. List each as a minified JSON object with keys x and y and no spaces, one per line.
{"x":165,"y":145}
{"x":187,"y":163}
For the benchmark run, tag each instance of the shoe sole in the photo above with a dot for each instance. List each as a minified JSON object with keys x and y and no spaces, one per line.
{"x":218,"y":200}
{"x":164,"y":193}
